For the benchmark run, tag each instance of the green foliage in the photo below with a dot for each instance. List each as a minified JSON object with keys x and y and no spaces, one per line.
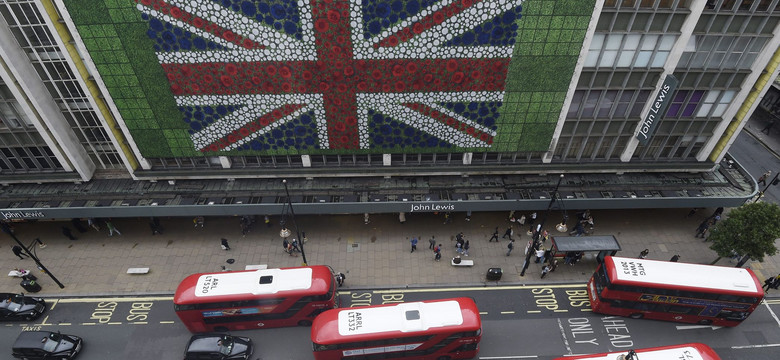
{"x":750,"y":229}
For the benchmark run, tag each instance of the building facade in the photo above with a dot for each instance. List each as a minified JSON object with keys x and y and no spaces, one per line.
{"x":171,"y":90}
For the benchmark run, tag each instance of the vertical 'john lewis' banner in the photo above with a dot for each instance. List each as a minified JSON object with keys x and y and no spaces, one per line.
{"x":333,"y":76}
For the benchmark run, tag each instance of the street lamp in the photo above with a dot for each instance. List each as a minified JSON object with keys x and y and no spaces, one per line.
{"x":539,"y":228}
{"x":285,"y":232}
{"x":7,"y":230}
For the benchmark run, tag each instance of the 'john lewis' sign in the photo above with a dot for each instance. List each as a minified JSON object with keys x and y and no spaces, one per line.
{"x":657,"y":110}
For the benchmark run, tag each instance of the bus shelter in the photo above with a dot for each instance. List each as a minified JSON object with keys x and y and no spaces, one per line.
{"x":603,"y":244}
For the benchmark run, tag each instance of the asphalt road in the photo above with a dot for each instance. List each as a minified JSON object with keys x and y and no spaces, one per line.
{"x":757,"y":159}
{"x":520,"y":322}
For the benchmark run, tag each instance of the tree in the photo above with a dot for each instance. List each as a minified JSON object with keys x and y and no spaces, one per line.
{"x":750,"y":231}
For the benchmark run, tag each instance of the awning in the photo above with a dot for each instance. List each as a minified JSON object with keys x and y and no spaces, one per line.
{"x":585,"y":243}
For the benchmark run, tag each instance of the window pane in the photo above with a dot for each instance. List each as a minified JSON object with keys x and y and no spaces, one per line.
{"x":689,"y":110}
{"x":593,"y":57}
{"x":625,"y":59}
{"x":719,"y":110}
{"x":643,"y":59}
{"x":608,"y":59}
{"x":728,"y":96}
{"x":660,"y":59}
{"x":613,"y":42}
{"x":667,"y":41}
{"x":597,"y":42}
{"x":648,"y":43}
{"x":632,"y":42}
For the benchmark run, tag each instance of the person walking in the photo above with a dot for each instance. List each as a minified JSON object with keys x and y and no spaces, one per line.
{"x":447,"y":218}
{"x":112,"y":229}
{"x":769,"y":283}
{"x":762,"y":178}
{"x":508,"y":233}
{"x":675,"y":258}
{"x":466,"y":247}
{"x":510,"y":246}
{"x":199,"y":221}
{"x":539,"y":255}
{"x":531,"y":220}
{"x":468,"y":215}
{"x":340,"y":277}
{"x":225,"y":245}
{"x":702,"y":229}
{"x":93,"y":223}
{"x":495,"y":235}
{"x":644,"y":253}
{"x":458,"y":247}
{"x":18,"y":252}
{"x":432,"y":242}
{"x":401,"y":217}
{"x":294,"y":246}
{"x":76,"y":222}
{"x":267,"y":221}
{"x":154,"y":224}
{"x":437,"y":253}
{"x":67,"y":233}
{"x":286,"y":245}
{"x":414,"y":244}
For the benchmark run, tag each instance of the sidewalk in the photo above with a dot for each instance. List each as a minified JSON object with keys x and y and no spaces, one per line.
{"x":376,"y":255}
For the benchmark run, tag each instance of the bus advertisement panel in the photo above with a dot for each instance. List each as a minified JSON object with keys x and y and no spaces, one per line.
{"x":433,"y":329}
{"x":692,"y":351}
{"x":241,"y":300}
{"x":673,"y":291}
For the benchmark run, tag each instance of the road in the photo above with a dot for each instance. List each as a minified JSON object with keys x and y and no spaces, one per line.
{"x":520,"y":322}
{"x":757,"y":159}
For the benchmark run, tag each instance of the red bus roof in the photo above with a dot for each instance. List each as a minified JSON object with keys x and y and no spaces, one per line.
{"x":674,"y":275}
{"x":253,"y":284}
{"x":403,"y":319}
{"x":692,"y":351}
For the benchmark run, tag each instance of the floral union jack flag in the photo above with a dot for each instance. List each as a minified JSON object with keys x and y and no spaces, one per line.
{"x":335,"y":74}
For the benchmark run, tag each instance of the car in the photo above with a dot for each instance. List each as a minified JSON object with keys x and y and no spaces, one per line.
{"x":45,"y":345}
{"x":218,"y":347}
{"x":20,"y":307}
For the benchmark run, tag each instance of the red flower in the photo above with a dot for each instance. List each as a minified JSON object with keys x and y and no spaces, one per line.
{"x":307,"y":75}
{"x":175,"y":12}
{"x":195,"y":87}
{"x":171,"y":77}
{"x":483,"y":137}
{"x":208,"y":78}
{"x":411,"y":67}
{"x":336,"y":49}
{"x":418,"y":28}
{"x":438,"y":17}
{"x":271,"y":70}
{"x":351,"y":120}
{"x":452,"y":65}
{"x":348,"y":71}
{"x":392,"y":40}
{"x":334,"y":16}
{"x":324,"y":86}
{"x":399,"y":86}
{"x":231,"y":69}
{"x":228,"y":35}
{"x":197,"y":22}
{"x":231,"y":138}
{"x":386,"y":87}
{"x":342,"y":87}
{"x":339,"y":126}
{"x":376,"y":74}
{"x":226,"y":80}
{"x":268,"y":87}
{"x":340,"y":39}
{"x":243,"y":131}
{"x":362,"y":86}
{"x":276,"y":114}
{"x":476,"y":74}
{"x":186,"y":71}
{"x":248,"y":43}
{"x":458,"y":77}
{"x":470,"y":130}
{"x":467,"y":3}
{"x":398,"y":70}
{"x":256,"y":79}
{"x":286,"y":87}
{"x":176,"y":89}
{"x":428,"y":78}
{"x":146,"y":2}
{"x":344,"y":139}
{"x":284,"y":71}
{"x":321,"y":25}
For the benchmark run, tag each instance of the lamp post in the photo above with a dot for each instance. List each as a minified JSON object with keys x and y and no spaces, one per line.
{"x":285,"y":232}
{"x":29,"y":253}
{"x":540,"y":227}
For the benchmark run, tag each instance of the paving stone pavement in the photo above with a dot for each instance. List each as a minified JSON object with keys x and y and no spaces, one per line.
{"x":375,"y":255}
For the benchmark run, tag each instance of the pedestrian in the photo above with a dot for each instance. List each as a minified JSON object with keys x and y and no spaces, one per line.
{"x":468,"y":215}
{"x":18,"y":252}
{"x":290,"y":250}
{"x":531,"y":220}
{"x":294,"y":246}
{"x":402,"y":217}
{"x":495,"y":235}
{"x":67,"y":233}
{"x":776,"y":283}
{"x":644,"y":253}
{"x":154,"y":224}
{"x":702,"y":229}
{"x":414,"y":244}
{"x":225,"y":245}
{"x":112,"y":229}
{"x":340,"y":277}
{"x":199,"y":221}
{"x":466,"y":247}
{"x":76,"y":222}
{"x":267,"y":221}
{"x":286,"y":245}
{"x":508,"y":233}
{"x":768,"y":127}
{"x":437,"y":253}
{"x":458,"y":247}
{"x":539,"y":255}
{"x":93,"y":223}
{"x":546,"y":270}
{"x":366,"y":218}
{"x":762,"y":178}
{"x":718,"y":212}
{"x":769,"y":283}
{"x":6,"y":227}
{"x":692,"y":212}
{"x":432,"y":242}
{"x":447,"y":218}
{"x":510,"y":246}
{"x":675,"y":258}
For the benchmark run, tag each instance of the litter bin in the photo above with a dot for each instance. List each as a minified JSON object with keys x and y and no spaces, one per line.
{"x":30,"y":285}
{"x":494,"y":274}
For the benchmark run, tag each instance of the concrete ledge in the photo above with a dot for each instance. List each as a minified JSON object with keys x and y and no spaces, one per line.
{"x":464,"y":263}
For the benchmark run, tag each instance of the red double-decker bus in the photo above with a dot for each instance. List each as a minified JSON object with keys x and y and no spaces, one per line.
{"x":433,"y":329}
{"x":673,"y":291}
{"x":241,"y":300}
{"x":692,"y":351}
